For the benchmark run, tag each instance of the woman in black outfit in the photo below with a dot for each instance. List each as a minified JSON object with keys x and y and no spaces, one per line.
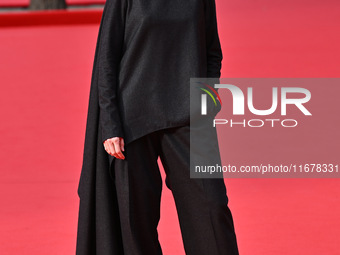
{"x":146,"y":53}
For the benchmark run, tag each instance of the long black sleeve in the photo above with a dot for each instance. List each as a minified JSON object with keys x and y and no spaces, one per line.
{"x":110,"y":52}
{"x":214,"y":51}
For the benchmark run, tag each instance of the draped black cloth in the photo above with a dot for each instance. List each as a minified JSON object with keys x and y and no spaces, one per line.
{"x":98,"y":221}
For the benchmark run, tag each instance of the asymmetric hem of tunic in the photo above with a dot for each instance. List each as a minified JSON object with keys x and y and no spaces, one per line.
{"x":145,"y":55}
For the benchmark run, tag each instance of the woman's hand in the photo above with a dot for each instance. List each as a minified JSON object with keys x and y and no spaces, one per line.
{"x":114,"y":146}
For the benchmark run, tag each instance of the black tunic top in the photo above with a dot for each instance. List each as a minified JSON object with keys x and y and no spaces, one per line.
{"x":148,"y":51}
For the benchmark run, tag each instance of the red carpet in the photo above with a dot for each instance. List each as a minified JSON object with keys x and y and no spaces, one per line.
{"x":14,"y":3}
{"x":45,"y":79}
{"x":25,"y":3}
{"x":84,"y":2}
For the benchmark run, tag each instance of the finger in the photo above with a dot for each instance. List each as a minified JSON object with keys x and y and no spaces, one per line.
{"x":111,"y":148}
{"x":122,"y":144}
{"x":105,"y":146}
{"x":118,"y":150}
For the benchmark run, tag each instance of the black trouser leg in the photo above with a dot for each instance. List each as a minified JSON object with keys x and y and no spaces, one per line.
{"x":139,"y":186}
{"x":202,"y":204}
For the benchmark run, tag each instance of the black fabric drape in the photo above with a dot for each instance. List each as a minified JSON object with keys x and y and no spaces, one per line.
{"x":98,"y":222}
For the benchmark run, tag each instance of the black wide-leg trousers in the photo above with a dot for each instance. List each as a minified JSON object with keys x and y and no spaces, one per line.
{"x":206,"y":222}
